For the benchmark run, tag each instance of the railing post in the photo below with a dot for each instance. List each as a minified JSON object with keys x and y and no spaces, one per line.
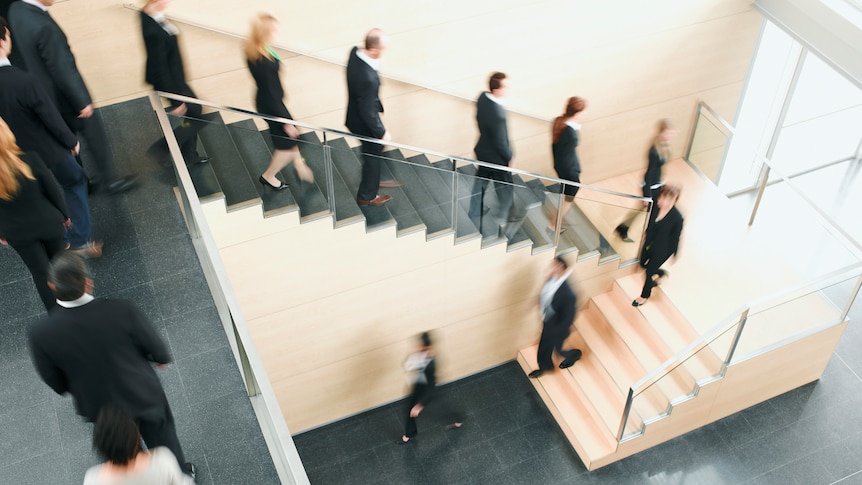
{"x":455,"y":199}
{"x":626,"y":411}
{"x":742,"y":319}
{"x":251,"y":385}
{"x":764,"y":181}
{"x":329,"y":171}
{"x":851,"y":299}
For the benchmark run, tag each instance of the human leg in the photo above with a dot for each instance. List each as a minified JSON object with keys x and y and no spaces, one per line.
{"x":370,"y":182}
{"x":35,"y":257}
{"x":569,"y":356}
{"x":162,"y":432}
{"x":477,"y":197}
{"x":71,"y":177}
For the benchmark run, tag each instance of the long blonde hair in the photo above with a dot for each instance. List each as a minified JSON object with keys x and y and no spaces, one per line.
{"x":663,"y":147}
{"x":11,"y":165}
{"x":261,"y":31}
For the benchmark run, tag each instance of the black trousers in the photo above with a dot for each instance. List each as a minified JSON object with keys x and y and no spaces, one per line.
{"x":441,"y":408}
{"x":370,"y":183}
{"x":551,"y":341}
{"x":187,"y":132}
{"x":162,"y":432}
{"x":92,"y":133}
{"x":504,"y":190}
{"x":36,"y":255}
{"x":653,"y":268}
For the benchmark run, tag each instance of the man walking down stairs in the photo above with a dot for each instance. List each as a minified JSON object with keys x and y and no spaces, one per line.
{"x":557,"y":302}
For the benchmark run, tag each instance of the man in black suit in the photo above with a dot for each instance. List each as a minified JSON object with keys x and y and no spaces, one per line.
{"x":493,"y":147}
{"x":102,"y":351}
{"x":557,"y":302}
{"x":38,"y":128}
{"x":363,"y":113}
{"x":164,"y":70}
{"x":44,"y":52}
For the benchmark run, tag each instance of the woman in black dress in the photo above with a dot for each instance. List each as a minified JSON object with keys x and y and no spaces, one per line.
{"x":564,"y":148}
{"x":33,"y":213}
{"x":264,"y":63}
{"x":661,"y":240}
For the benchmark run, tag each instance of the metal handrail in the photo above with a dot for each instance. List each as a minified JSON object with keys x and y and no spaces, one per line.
{"x":282,"y":448}
{"x":401,"y":146}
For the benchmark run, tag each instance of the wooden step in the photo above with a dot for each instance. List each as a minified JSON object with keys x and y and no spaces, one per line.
{"x":619,"y":361}
{"x":588,"y":436}
{"x":674,"y":328}
{"x":644,"y":342}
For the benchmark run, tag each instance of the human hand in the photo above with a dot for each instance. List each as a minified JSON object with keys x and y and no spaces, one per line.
{"x":291,"y":131}
{"x":86,"y":112}
{"x":67,"y":223}
{"x":180,"y":110}
{"x":76,"y":149}
{"x":3,"y":242}
{"x":415,"y":410}
{"x":386,"y":136}
{"x":162,"y":366}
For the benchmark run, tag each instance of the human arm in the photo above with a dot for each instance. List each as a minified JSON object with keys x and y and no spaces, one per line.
{"x":48,"y":183}
{"x":676,"y":233}
{"x":148,"y":342}
{"x":492,"y":126}
{"x":369,"y":105}
{"x":49,"y":116}
{"x":52,"y":375}
{"x":60,"y":64}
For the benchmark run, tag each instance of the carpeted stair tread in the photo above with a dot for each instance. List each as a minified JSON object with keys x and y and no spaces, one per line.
{"x":255,"y":154}
{"x":310,"y":197}
{"x":436,"y":222}
{"x":347,"y":171}
{"x":238,"y":187}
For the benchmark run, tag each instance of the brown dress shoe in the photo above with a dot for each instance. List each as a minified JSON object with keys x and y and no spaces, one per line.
{"x":379,"y":200}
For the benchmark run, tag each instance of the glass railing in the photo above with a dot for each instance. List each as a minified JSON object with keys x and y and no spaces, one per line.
{"x":710,"y":136}
{"x":431,"y":192}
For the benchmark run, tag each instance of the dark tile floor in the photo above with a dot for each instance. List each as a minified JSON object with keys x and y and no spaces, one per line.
{"x":149,"y":259}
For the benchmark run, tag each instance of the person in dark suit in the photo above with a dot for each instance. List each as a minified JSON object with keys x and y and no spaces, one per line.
{"x":38,"y":128}
{"x":661,"y":240}
{"x":493,"y":147}
{"x":565,"y":136}
{"x":102,"y":351}
{"x":558,"y":305}
{"x":44,"y":52}
{"x":33,"y":213}
{"x":363,"y":113}
{"x":164,"y":71}
{"x":264,"y":64}
{"x":423,"y":366}
{"x":659,"y":153}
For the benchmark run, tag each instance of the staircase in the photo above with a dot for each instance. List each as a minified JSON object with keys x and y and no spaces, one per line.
{"x":240,"y":151}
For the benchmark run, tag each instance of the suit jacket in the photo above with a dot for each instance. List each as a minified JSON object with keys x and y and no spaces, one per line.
{"x":493,"y":145}
{"x":102,"y":353}
{"x":566,"y":161}
{"x":562,"y":314}
{"x":269,"y":98}
{"x":363,"y":98}
{"x":164,"y":68}
{"x":38,"y":210}
{"x":32,"y":117}
{"x":654,"y":166}
{"x":45,"y":53}
{"x":661,"y":240}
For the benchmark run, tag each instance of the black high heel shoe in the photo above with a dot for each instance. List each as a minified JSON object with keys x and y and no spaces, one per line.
{"x":273,"y":187}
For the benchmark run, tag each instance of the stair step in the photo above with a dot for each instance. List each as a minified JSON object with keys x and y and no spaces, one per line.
{"x":647,"y":346}
{"x":465,"y":230}
{"x":588,"y":436}
{"x":575,"y":238}
{"x":238,"y":187}
{"x":256,"y":156}
{"x":436,"y":221}
{"x":534,"y":226}
{"x":675,"y":329}
{"x":619,"y":361}
{"x":349,"y":167}
{"x":205,"y":181}
{"x":347,"y":211}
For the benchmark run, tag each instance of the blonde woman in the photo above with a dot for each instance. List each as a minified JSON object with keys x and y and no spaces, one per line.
{"x":33,"y":213}
{"x":264,"y":64}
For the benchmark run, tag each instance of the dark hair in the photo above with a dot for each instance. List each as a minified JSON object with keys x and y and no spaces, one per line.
{"x":4,"y":28}
{"x":573,"y":106}
{"x":560,"y":260}
{"x":670,"y":190}
{"x":115,"y":435}
{"x":373,"y":39}
{"x":496,"y":81}
{"x":69,"y":275}
{"x":426,"y":339}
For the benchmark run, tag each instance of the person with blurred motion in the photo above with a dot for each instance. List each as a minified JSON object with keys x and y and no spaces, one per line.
{"x":44,"y":52}
{"x":102,"y":351}
{"x":363,"y":114}
{"x":38,"y":128}
{"x":116,"y":438}
{"x":165,"y":72}
{"x":423,"y":368}
{"x":659,"y":153}
{"x":33,"y":213}
{"x":264,"y":64}
{"x":565,"y":135}
{"x":661,"y":240}
{"x":493,"y":147}
{"x":558,"y":305}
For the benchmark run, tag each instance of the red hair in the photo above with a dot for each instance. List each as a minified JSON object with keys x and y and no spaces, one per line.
{"x":573,"y":106}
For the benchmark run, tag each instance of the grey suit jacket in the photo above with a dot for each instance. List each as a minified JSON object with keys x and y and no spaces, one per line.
{"x":45,"y":53}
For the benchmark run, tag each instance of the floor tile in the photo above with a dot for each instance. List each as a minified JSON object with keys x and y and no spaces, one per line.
{"x":195,"y":332}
